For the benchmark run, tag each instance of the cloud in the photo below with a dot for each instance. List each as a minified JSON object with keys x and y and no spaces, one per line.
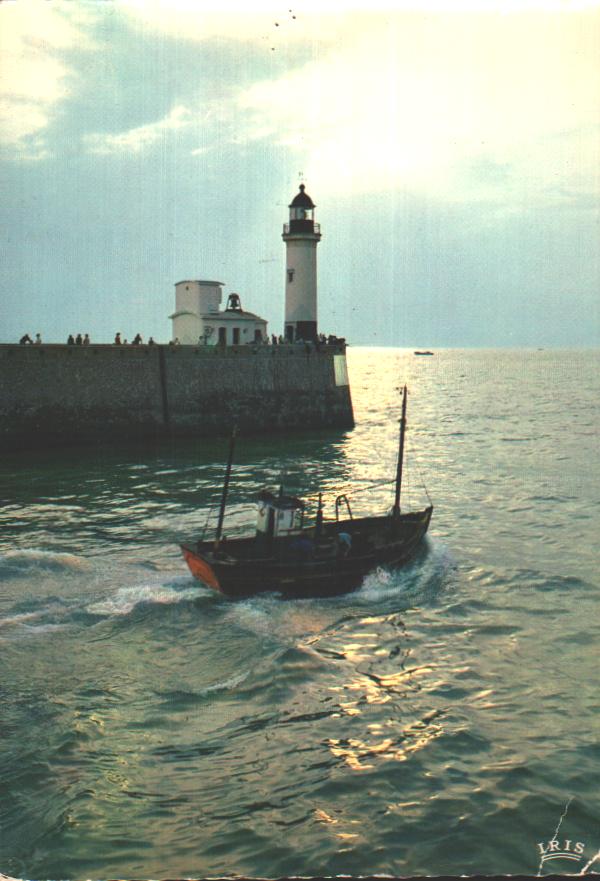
{"x":33,"y":76}
{"x":442,"y":103}
{"x":494,"y":107}
{"x":497,"y":105}
{"x":136,"y":139}
{"x":203,"y":125}
{"x":272,"y":24}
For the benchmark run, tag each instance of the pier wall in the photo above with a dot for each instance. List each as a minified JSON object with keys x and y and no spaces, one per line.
{"x":55,"y":394}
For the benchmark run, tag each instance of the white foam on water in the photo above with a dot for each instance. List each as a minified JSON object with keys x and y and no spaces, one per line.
{"x":24,"y":630}
{"x":383,"y":583}
{"x":285,"y":621}
{"x":254,"y":613}
{"x":12,"y":620}
{"x":234,"y":680}
{"x":23,"y":620}
{"x":36,"y":629}
{"x":127,"y":598}
{"x":379,"y":583}
{"x":24,"y":561}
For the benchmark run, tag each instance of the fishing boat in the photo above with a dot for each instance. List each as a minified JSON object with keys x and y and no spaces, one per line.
{"x":424,"y":353}
{"x":296,"y":558}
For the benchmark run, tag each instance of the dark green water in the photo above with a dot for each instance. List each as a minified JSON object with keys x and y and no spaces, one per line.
{"x":436,"y":721}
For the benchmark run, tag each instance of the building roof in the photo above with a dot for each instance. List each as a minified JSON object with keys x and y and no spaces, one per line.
{"x":198,"y":281}
{"x":302,"y":200}
{"x":232,"y":315}
{"x":283,"y":502}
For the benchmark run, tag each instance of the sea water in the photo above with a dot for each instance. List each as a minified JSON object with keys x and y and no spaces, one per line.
{"x":440,"y":720}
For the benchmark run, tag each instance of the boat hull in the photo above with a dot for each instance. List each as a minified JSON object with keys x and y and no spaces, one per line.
{"x":242,"y":567}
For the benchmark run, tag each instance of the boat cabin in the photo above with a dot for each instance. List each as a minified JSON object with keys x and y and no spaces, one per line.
{"x":279,"y":515}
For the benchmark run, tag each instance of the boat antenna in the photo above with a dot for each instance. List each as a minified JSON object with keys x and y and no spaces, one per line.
{"x":282,"y":482}
{"x":396,"y":508}
{"x":225,"y":488}
{"x":319,"y":518}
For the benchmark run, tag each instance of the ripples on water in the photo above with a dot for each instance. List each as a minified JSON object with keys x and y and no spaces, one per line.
{"x":435,"y":721}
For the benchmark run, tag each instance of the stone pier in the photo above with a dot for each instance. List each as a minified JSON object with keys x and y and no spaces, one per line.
{"x":59,"y":394}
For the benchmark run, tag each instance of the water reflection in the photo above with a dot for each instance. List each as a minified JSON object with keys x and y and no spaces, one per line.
{"x":369,"y":725}
{"x":400,"y":742}
{"x":172,"y":493}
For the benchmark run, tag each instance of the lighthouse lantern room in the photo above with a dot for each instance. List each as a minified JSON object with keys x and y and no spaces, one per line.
{"x":301,"y":236}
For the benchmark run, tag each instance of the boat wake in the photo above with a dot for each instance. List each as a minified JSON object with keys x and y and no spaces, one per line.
{"x":126,"y":599}
{"x":422,"y":578}
{"x":25,"y":621}
{"x":226,"y":684}
{"x":282,"y":622}
{"x":26,"y":562}
{"x":35,"y":615}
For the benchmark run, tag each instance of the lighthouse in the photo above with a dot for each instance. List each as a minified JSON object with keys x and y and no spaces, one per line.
{"x":301,"y":236}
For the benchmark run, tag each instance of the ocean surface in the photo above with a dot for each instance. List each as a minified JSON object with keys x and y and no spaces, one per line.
{"x":441,"y":719}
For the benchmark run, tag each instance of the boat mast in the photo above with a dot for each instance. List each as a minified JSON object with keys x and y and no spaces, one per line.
{"x":225,"y":489}
{"x":396,"y":508}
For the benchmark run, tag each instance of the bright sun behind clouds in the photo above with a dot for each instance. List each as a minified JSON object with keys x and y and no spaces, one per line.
{"x":410,"y":100}
{"x":433,"y":96}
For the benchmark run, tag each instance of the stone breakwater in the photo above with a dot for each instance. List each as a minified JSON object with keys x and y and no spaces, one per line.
{"x":58,"y":394}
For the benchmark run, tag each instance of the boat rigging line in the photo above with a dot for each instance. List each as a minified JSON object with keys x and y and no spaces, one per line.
{"x":225,"y":488}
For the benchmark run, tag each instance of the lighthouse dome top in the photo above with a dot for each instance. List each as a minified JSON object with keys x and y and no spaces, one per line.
{"x":302,"y":199}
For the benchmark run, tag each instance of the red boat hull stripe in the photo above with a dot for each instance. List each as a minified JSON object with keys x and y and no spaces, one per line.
{"x":201,"y":570}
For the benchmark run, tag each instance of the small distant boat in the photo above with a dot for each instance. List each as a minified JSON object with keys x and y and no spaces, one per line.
{"x":424,"y":353}
{"x":325,"y":558}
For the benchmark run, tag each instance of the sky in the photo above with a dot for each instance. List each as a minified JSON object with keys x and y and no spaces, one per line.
{"x":452,"y":150}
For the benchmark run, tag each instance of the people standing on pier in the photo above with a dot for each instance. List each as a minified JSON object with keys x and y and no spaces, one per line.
{"x":70,"y":340}
{"x":25,"y":340}
{"x":86,"y":340}
{"x":38,"y":339}
{"x":118,"y":339}
{"x":137,"y":340}
{"x":78,"y":340}
{"x":151,"y":341}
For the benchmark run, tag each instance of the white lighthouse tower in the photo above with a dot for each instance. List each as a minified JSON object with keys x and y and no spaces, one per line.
{"x":301,"y":236}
